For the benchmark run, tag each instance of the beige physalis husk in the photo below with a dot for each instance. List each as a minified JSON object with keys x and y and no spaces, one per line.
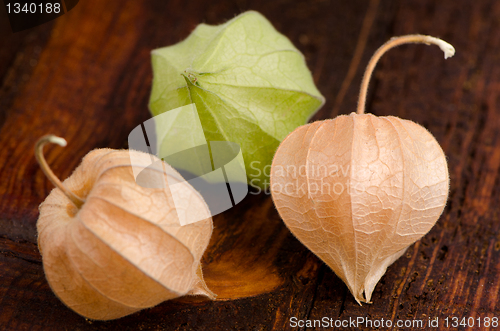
{"x":358,"y":190}
{"x":123,"y":249}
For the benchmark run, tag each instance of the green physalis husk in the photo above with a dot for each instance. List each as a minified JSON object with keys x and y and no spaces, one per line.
{"x":249,"y":83}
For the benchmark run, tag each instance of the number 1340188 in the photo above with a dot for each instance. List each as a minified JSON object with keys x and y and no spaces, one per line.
{"x":486,"y":322}
{"x":33,"y":8}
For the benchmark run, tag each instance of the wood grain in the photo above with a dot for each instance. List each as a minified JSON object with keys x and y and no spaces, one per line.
{"x":87,"y":76}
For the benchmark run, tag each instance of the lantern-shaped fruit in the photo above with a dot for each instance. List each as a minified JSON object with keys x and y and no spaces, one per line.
{"x":359,"y":189}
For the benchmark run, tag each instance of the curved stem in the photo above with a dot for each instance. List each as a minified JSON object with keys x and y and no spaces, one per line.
{"x":78,"y":202}
{"x":448,"y":50}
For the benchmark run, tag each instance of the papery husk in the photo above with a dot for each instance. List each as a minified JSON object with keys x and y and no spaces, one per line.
{"x":385,"y":185}
{"x":250,"y":84}
{"x":124,"y":249}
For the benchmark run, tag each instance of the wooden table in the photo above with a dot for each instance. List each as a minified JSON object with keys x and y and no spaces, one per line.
{"x":87,"y":76}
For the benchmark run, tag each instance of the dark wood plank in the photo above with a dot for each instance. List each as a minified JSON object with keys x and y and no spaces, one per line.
{"x":87,"y":76}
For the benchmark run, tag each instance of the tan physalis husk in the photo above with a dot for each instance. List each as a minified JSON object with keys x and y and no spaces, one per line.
{"x":358,"y":190}
{"x":120,"y":248}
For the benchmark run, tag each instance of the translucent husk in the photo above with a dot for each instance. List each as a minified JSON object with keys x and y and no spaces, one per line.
{"x":358,"y":190}
{"x":111,"y":247}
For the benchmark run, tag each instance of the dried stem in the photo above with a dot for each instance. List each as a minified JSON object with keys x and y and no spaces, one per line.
{"x":78,"y":202}
{"x":448,"y":50}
